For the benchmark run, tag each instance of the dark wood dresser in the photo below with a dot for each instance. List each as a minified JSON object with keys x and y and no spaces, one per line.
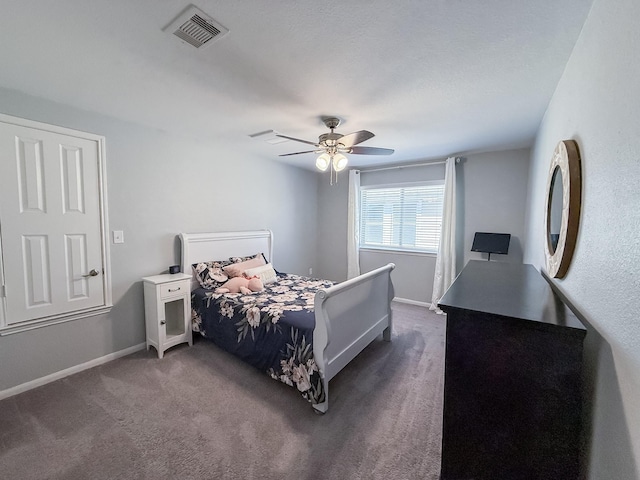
{"x":513,"y":388}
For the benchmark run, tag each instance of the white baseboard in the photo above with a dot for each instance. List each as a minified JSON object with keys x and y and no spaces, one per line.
{"x":411,"y":302}
{"x":38,"y":382}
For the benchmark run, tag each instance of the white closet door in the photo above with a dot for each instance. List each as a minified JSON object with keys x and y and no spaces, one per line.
{"x":51,"y":223}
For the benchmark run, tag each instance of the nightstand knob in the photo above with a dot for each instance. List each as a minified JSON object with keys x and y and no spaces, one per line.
{"x":163,"y":322}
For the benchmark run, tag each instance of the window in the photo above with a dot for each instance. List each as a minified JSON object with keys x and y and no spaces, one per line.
{"x":405,"y":218}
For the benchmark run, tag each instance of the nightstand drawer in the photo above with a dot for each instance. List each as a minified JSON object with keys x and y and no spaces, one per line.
{"x":174,"y":289}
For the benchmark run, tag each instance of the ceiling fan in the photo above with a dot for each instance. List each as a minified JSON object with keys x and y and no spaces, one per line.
{"x":332,"y":146}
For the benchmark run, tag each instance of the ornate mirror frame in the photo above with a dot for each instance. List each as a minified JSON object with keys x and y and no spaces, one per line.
{"x":566,"y":157}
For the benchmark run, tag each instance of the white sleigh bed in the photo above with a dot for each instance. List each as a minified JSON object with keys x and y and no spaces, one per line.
{"x":348,"y":315}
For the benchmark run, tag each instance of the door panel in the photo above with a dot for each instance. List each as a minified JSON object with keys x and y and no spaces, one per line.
{"x":36,"y":270}
{"x":51,"y":223}
{"x":72,"y":179}
{"x":77,"y":266}
{"x":31,"y":184}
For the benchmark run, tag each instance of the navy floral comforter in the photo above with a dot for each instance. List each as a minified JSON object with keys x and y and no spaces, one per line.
{"x":271,"y":330}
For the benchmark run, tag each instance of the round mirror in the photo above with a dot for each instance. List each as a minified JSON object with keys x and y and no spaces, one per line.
{"x":562,"y":213}
{"x":555,"y":209}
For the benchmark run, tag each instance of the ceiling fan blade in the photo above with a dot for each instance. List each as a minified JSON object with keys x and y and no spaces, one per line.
{"x":297,"y":140}
{"x":297,"y":153}
{"x":371,"y":151}
{"x":355,"y":138}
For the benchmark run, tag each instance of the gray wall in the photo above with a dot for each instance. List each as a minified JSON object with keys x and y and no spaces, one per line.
{"x":332,"y":227}
{"x":597,"y":104}
{"x":491,"y":189}
{"x":160,"y":185}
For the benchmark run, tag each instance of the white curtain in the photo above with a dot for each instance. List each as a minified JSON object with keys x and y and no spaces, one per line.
{"x":446,"y":259}
{"x":353,"y":225}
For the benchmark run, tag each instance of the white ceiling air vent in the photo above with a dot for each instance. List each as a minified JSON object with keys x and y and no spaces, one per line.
{"x":196,"y":28}
{"x":269,"y":136}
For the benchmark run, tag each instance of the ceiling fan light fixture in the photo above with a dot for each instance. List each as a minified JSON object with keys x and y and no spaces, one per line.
{"x":323,"y":161}
{"x":333,"y":145}
{"x":339,"y":162}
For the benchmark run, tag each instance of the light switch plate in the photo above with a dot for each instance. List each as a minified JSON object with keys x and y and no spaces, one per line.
{"x":118,"y":236}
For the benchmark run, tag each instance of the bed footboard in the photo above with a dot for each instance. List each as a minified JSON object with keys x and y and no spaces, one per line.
{"x":349,"y":316}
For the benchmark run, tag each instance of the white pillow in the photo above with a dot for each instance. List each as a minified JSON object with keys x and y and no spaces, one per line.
{"x":266,"y":273}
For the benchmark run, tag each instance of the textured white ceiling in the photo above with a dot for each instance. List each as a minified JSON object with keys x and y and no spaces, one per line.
{"x":429,"y":78}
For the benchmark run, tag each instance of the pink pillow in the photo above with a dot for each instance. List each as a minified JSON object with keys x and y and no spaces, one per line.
{"x":237,"y":269}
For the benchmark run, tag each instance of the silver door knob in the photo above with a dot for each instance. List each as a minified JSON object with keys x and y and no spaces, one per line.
{"x":92,"y":273}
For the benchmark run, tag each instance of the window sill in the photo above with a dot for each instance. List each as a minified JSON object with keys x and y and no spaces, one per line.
{"x":397,"y":252}
{"x":68,"y":317}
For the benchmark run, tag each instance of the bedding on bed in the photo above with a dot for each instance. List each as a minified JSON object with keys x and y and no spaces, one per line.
{"x":271,"y":329}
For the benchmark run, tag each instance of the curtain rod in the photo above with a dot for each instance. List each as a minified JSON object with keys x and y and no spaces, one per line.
{"x":406,"y":166}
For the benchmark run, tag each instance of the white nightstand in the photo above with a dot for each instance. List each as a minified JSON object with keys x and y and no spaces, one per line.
{"x":167,"y":308}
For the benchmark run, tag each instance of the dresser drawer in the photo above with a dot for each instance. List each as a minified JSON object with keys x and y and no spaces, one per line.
{"x":174,"y":289}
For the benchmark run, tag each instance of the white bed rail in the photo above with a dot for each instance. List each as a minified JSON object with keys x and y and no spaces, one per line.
{"x":349,"y":316}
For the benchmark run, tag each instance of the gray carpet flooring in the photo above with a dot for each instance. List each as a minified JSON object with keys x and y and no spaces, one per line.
{"x":200,"y":413}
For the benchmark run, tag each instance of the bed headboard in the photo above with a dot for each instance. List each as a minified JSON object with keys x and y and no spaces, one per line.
{"x":203,"y":247}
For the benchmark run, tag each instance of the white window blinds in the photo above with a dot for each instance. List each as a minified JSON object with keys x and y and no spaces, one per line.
{"x":402,"y":218}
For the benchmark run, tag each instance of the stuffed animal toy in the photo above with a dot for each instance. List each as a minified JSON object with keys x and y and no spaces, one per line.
{"x":241,"y":285}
